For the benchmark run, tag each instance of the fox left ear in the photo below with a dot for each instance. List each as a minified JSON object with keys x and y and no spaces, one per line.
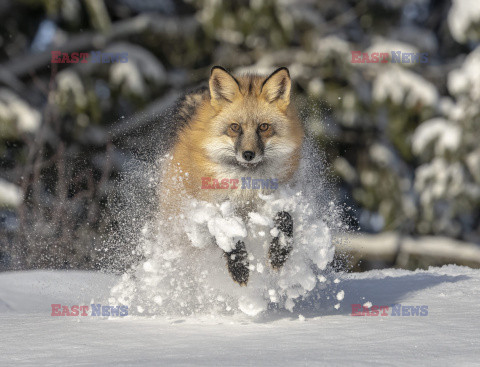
{"x":276,"y":88}
{"x":224,"y":88}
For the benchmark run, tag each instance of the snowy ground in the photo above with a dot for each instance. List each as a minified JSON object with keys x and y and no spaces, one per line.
{"x":449,"y":335}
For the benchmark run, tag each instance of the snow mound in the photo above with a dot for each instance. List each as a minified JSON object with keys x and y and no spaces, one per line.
{"x":30,"y":336}
{"x":185,"y":272}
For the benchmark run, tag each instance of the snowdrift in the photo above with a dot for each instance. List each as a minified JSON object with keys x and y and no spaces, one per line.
{"x":448,"y":335}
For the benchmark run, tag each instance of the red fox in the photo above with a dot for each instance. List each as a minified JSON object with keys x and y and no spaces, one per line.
{"x":241,"y":126}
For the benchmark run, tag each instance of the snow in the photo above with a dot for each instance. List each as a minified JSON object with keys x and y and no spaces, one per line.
{"x":341,"y":295}
{"x":10,"y":194}
{"x":441,"y":181}
{"x":13,"y":110}
{"x":332,"y":44}
{"x":314,"y":333}
{"x":466,"y":79}
{"x":473,"y":163}
{"x":142,"y":67}
{"x":445,"y":135}
{"x":128,"y":75}
{"x":189,"y":272}
{"x":403,"y":87}
{"x":70,"y":86}
{"x":448,"y":180}
{"x":463,"y":20}
{"x":380,"y":44}
{"x":183,"y":253}
{"x":367,"y":304}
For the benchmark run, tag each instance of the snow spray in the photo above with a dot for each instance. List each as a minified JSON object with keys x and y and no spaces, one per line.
{"x":179,"y":267}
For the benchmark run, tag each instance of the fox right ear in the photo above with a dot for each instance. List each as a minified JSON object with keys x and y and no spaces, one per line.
{"x":276,"y":88}
{"x":224,"y":88}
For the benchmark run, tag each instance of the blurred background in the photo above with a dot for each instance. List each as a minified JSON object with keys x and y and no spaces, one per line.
{"x":401,"y":139}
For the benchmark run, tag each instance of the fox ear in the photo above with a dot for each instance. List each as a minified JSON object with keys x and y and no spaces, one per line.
{"x":276,"y":88}
{"x":224,"y":87}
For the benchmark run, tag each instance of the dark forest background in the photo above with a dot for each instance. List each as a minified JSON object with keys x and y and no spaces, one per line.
{"x":402,"y":140}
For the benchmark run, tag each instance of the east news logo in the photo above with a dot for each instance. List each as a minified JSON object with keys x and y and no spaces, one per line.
{"x":96,"y":310}
{"x":395,"y":57}
{"x":396,"y":310}
{"x":248,"y":183}
{"x":94,"y":57}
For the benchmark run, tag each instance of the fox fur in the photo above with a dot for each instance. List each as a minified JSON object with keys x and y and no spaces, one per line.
{"x":240,"y":126}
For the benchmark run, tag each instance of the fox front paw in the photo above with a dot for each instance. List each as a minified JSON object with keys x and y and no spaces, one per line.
{"x":237,"y":263}
{"x":281,"y":245}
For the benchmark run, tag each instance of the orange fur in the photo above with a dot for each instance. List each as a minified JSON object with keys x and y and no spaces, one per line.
{"x":208,"y":146}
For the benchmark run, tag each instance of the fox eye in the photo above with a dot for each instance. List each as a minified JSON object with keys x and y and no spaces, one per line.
{"x":235,"y":127}
{"x":264,"y":127}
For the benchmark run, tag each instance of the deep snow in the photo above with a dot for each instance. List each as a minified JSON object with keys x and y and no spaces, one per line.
{"x":187,"y":274}
{"x":182,"y":268}
{"x":311,"y":334}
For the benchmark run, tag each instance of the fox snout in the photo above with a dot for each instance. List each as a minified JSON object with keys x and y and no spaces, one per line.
{"x":249,"y":150}
{"x":248,"y":155}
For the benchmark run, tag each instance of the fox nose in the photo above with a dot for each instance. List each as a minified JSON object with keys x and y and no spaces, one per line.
{"x":248,"y":155}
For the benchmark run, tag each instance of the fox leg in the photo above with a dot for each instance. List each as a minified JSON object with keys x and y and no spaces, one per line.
{"x":237,"y":263}
{"x":281,"y":245}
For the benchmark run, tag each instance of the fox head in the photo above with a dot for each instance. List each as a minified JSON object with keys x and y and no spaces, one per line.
{"x":253,"y":122}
